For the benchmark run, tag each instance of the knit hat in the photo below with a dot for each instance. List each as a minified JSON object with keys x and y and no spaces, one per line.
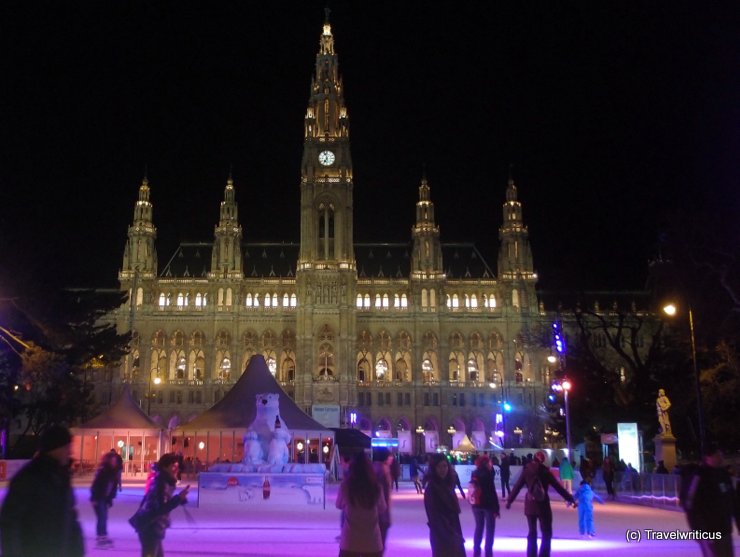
{"x":54,"y":437}
{"x":540,"y":456}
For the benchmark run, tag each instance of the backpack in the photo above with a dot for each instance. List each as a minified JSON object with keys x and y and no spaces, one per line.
{"x":474,"y":493}
{"x":536,"y":491}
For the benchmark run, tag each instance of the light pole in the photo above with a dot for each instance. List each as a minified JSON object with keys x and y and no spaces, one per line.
{"x":566,"y":388}
{"x":671,"y":310}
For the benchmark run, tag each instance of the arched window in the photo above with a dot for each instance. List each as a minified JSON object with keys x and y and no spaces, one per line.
{"x":363,"y":370}
{"x":293,"y":300}
{"x":515,"y":298}
{"x":378,"y":301}
{"x":164,"y":300}
{"x":268,"y":301}
{"x":385,"y":301}
{"x":424,"y":300}
{"x":472,"y":370}
{"x":367,"y":300}
{"x":181,"y":367}
{"x":286,"y":300}
{"x":200,"y":300}
{"x":248,"y":300}
{"x":228,"y":296}
{"x":396,"y":301}
{"x":474,"y":301}
{"x":381,"y":369}
{"x":404,"y":301}
{"x":326,"y":231}
{"x":182,"y":300}
{"x":224,"y":369}
{"x":359,"y":301}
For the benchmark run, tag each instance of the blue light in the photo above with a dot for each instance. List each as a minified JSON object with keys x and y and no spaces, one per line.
{"x":552,"y":398}
{"x":507,"y":407}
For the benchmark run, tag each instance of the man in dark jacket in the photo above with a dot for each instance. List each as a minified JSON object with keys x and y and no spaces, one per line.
{"x":485,"y":507}
{"x":38,"y":517}
{"x":102,"y":493}
{"x":709,"y":499}
{"x":538,"y":507}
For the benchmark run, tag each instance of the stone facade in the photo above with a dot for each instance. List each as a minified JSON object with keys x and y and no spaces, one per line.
{"x":420,"y":334}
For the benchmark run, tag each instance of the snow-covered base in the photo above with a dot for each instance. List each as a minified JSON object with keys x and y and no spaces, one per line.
{"x":257,"y":490}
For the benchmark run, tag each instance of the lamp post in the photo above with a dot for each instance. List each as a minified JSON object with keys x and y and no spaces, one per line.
{"x":420,"y":432}
{"x":566,"y":388}
{"x":671,"y":310}
{"x":451,"y":430}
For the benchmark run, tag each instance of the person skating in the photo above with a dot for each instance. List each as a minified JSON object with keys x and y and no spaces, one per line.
{"x":362,"y":503}
{"x":585,"y":496}
{"x":102,"y":492}
{"x":538,"y":510}
{"x":486,"y":508}
{"x":157,"y":504}
{"x":39,"y":517}
{"x":443,"y":510}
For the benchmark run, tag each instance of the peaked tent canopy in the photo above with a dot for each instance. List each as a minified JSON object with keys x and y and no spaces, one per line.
{"x":218,"y":432}
{"x":125,"y":427}
{"x":238,"y":408}
{"x":465,"y":445}
{"x":124,"y":414}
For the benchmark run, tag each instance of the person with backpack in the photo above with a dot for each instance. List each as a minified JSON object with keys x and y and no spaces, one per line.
{"x":484,"y":500}
{"x":538,"y":479}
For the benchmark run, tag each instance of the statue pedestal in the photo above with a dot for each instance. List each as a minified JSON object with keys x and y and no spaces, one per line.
{"x":665,"y":450}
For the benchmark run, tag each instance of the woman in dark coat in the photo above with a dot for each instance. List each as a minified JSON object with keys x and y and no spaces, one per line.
{"x":443,"y":510}
{"x":486,"y":509}
{"x":158,"y":502}
{"x":102,"y":493}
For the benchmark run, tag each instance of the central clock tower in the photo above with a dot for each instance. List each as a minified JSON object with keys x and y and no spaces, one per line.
{"x":326,"y":274}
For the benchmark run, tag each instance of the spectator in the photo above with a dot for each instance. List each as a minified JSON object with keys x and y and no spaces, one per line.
{"x":362,"y":503}
{"x":38,"y":516}
{"x":538,"y":510}
{"x":607,"y":471}
{"x":443,"y":510}
{"x":661,"y":469}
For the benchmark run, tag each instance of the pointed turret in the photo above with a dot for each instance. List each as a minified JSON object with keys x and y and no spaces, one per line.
{"x":140,"y":255}
{"x":226,"y":261}
{"x":515,"y":267}
{"x":426,"y":259}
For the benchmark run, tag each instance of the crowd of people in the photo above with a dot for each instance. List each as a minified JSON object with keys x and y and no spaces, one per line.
{"x":43,"y":488}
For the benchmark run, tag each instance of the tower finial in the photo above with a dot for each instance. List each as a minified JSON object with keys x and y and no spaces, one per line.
{"x":511,"y":172}
{"x":231,"y":172}
{"x":327,"y":11}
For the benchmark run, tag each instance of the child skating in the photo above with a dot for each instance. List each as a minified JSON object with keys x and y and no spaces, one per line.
{"x":585,"y":498}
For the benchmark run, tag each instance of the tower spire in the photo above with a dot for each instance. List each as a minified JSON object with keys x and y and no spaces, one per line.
{"x":515,"y":266}
{"x":139,"y":255}
{"x":426,"y":259}
{"x":226,"y":258}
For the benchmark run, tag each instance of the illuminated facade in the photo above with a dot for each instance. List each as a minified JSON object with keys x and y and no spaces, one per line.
{"x":418,"y":335}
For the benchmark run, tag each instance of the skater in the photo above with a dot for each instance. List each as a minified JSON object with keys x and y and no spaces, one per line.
{"x":362,"y":503}
{"x":443,"y":510}
{"x":102,"y":492}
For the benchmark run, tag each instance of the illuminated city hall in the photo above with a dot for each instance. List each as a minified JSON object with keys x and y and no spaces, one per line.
{"x":423,"y":341}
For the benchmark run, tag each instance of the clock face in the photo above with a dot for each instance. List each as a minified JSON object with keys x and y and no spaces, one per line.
{"x":326,"y":158}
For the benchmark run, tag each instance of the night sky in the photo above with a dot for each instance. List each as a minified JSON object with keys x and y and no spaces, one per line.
{"x":616,"y":118}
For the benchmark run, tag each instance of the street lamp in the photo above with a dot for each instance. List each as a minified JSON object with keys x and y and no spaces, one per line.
{"x":420,"y":432}
{"x":671,"y":310}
